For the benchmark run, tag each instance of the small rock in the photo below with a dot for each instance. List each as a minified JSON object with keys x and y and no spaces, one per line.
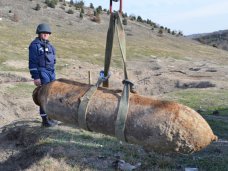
{"x":194,"y":69}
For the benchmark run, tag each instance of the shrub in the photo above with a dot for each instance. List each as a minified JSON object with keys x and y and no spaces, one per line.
{"x":132,"y":17}
{"x":99,"y":9}
{"x":70,"y":11}
{"x":180,"y":33}
{"x":79,"y":5}
{"x":81,"y":15}
{"x":160,"y":32}
{"x":38,"y":7}
{"x":94,"y":13}
{"x":51,"y":3}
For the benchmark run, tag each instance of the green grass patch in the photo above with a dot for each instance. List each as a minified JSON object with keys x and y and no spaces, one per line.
{"x":206,"y":100}
{"x":219,"y":127}
{"x":21,"y":89}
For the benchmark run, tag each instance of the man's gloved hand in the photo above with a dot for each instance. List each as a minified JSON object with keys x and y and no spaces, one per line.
{"x":37,"y":82}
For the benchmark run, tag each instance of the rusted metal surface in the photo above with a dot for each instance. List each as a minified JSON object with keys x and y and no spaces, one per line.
{"x":157,"y":125}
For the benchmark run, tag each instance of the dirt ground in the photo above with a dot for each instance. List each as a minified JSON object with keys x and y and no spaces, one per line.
{"x":20,"y":123}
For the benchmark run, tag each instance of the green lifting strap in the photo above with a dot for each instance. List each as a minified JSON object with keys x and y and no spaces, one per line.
{"x":122,"y":43}
{"x":124,"y":101}
{"x":109,"y":45}
{"x":122,"y":114}
{"x":83,"y":106}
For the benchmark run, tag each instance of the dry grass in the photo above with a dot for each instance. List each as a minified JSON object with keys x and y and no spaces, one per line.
{"x":66,"y":148}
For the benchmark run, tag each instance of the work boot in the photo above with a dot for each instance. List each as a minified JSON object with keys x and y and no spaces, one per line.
{"x":47,"y":122}
{"x":53,"y":121}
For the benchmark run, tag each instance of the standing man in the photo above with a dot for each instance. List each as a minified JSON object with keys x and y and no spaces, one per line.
{"x":42,"y":61}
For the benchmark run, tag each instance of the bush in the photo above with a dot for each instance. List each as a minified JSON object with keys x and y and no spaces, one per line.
{"x":51,"y":3}
{"x":173,"y":32}
{"x":38,"y":7}
{"x":70,"y":11}
{"x":79,"y":5}
{"x":99,"y":9}
{"x":81,"y":15}
{"x":160,"y":32}
{"x":132,"y":17}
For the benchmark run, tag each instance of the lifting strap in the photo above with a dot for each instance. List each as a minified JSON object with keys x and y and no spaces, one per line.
{"x":116,"y":23}
{"x":124,"y":101}
{"x":84,"y":103}
{"x":83,"y":106}
{"x":109,"y":45}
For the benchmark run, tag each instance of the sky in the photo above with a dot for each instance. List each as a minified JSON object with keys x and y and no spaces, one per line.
{"x":188,"y":16}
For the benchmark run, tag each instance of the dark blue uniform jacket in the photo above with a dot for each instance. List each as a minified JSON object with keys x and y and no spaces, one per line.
{"x":42,"y":60}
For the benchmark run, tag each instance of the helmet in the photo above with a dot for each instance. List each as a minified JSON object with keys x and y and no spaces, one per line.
{"x":43,"y":28}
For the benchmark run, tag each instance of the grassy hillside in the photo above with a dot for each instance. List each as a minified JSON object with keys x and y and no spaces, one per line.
{"x":85,"y":40}
{"x":165,"y":66}
{"x":216,"y":39}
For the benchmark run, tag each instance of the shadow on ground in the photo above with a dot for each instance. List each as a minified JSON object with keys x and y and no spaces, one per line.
{"x":24,"y":144}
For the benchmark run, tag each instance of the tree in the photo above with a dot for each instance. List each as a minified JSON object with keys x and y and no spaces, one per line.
{"x":180,"y":33}
{"x":160,"y":32}
{"x":79,"y":5}
{"x":139,"y":19}
{"x":124,"y":15}
{"x":99,"y":9}
{"x":71,"y":2}
{"x":132,"y":17}
{"x":173,"y":32}
{"x":91,"y":5}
